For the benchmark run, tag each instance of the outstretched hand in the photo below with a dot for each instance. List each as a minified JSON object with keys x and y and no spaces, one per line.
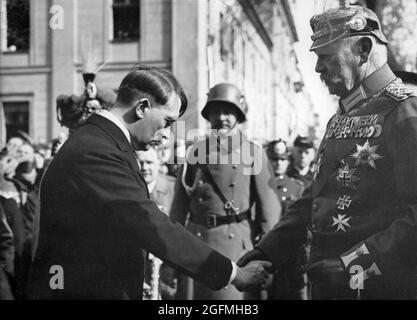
{"x":255,"y":276}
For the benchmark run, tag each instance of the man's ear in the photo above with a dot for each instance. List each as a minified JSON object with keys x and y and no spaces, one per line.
{"x":364,"y":49}
{"x":141,"y":107}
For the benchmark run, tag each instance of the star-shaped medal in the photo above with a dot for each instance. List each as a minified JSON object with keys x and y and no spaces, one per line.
{"x":366,"y":154}
{"x":341,"y":221}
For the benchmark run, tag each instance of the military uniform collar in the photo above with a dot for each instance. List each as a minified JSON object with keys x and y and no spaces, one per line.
{"x":368,"y":88}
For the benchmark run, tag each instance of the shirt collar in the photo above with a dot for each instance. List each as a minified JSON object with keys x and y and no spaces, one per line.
{"x":110,"y":116}
{"x":151,"y":186}
{"x":368,"y":88}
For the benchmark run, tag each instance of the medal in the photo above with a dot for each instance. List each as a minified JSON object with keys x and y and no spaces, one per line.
{"x":344,"y":202}
{"x":346,"y":176}
{"x":366,"y":155}
{"x":342,"y":222}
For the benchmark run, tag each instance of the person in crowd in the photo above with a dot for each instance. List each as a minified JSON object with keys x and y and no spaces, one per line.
{"x":13,"y":145}
{"x":161,"y":187}
{"x":214,"y":195}
{"x":289,"y":189}
{"x":97,"y":221}
{"x":302,"y":157}
{"x":25,"y":153}
{"x":361,"y":209}
{"x":289,"y":283}
{"x":6,"y":257}
{"x":8,"y":188}
{"x":15,"y":221}
{"x":161,"y":191}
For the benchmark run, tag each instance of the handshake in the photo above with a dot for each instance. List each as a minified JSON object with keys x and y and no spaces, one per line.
{"x":253,"y":272}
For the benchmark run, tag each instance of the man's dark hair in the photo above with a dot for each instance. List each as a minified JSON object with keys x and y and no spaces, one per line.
{"x":152,"y":83}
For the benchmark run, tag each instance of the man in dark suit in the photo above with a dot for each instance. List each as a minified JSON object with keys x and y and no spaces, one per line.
{"x":97,"y":220}
{"x":361,"y":209}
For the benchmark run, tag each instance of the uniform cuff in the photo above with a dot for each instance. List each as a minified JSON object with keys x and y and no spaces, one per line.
{"x":233,"y":274}
{"x":360,"y":264}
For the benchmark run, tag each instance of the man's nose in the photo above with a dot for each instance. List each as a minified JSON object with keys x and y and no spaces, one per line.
{"x":164,"y":133}
{"x":222,"y":116}
{"x":320,"y":68}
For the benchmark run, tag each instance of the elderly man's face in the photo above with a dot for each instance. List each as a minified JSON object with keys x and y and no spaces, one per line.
{"x":149,"y":163}
{"x":338,"y":66}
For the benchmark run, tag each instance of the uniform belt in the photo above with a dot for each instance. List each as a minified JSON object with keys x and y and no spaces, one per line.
{"x":212,"y":220}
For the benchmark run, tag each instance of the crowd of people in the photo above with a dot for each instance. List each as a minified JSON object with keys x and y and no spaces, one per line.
{"x":22,"y":163}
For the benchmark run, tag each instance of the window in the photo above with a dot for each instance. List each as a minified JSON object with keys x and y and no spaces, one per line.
{"x":16,"y":114}
{"x":15,"y":20}
{"x":126,"y":20}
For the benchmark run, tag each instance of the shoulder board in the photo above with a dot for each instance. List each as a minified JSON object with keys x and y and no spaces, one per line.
{"x":398,"y":91}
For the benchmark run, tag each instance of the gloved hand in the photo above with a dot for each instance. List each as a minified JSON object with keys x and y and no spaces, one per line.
{"x":329,"y":272}
{"x":252,"y":255}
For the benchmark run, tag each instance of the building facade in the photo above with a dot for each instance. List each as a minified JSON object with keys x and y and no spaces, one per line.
{"x":204,"y":42}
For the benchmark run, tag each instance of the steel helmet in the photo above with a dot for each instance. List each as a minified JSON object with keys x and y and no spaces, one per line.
{"x":226,"y":92}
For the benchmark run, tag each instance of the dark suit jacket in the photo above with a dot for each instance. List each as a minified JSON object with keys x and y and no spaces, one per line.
{"x":97,"y":221}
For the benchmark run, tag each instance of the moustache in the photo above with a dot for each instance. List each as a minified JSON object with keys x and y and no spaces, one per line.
{"x":327,"y":79}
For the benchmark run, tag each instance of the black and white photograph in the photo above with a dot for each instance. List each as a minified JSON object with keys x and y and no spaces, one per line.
{"x":227,"y":152}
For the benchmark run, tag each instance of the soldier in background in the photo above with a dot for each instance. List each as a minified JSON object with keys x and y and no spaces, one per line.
{"x":302,"y":157}
{"x":290,"y":281}
{"x":224,"y":176}
{"x":289,"y":189}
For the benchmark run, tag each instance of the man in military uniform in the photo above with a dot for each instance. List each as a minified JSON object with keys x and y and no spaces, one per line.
{"x":223,"y":177}
{"x":361,"y":209}
{"x":289,"y":189}
{"x":289,"y":281}
{"x":302,"y":157}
